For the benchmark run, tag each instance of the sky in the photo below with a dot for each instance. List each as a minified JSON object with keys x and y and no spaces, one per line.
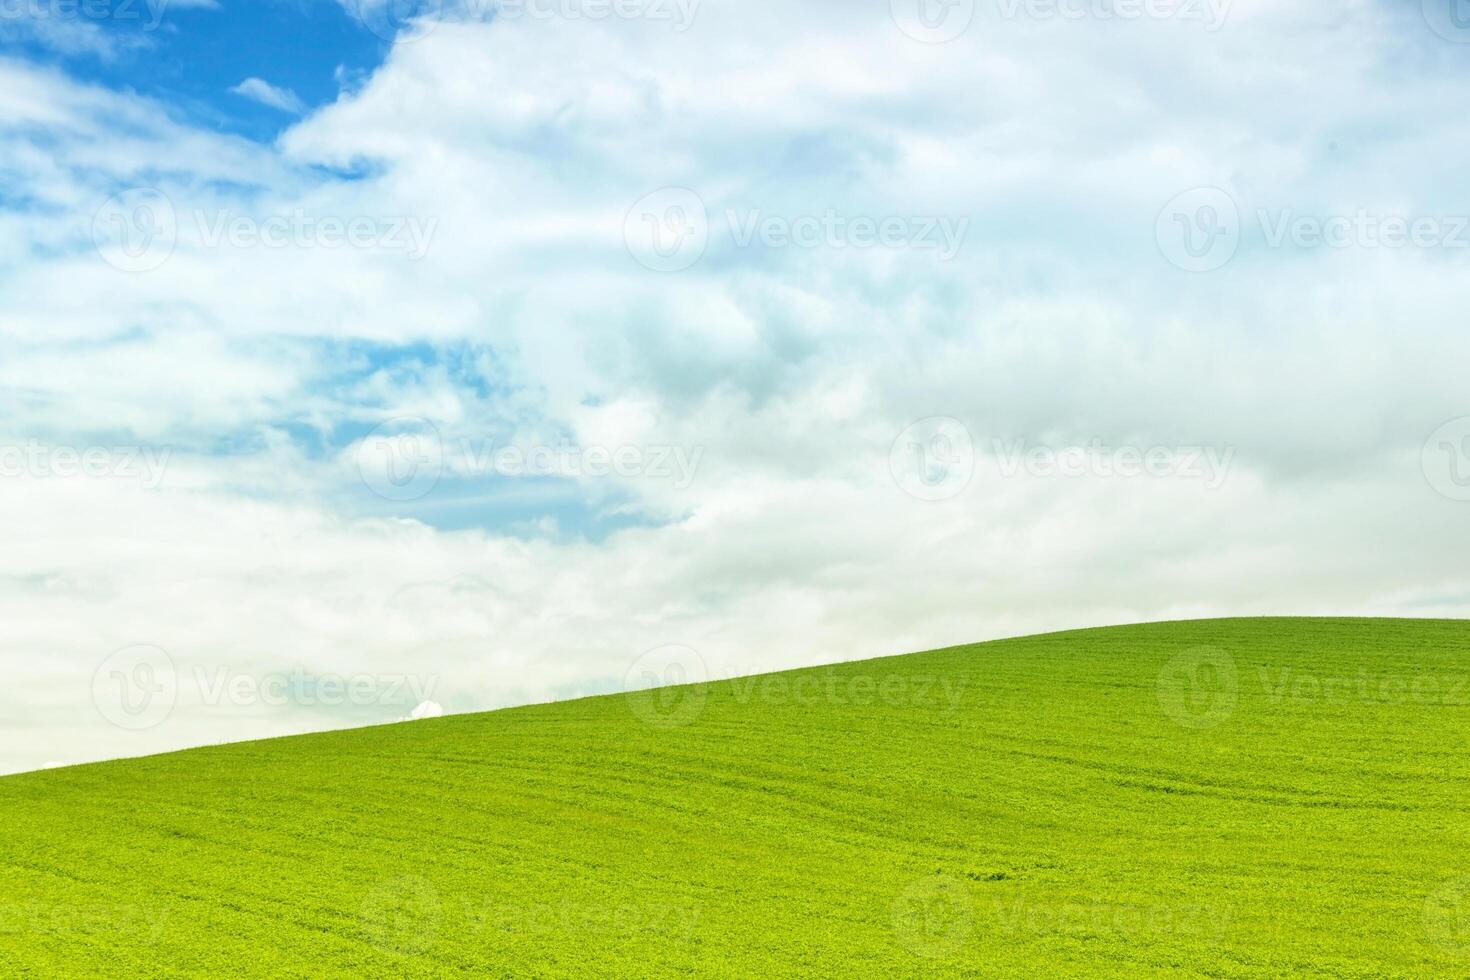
{"x":368,"y":360}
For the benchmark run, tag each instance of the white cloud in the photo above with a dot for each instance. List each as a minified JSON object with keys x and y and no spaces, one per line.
{"x":427,"y":709}
{"x":70,"y":36}
{"x":265,"y":93}
{"x":83,"y":30}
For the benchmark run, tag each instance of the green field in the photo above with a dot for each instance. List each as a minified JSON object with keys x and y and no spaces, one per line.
{"x":1223,"y":798}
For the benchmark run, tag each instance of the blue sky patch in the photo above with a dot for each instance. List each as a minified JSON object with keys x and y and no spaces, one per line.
{"x":246,"y":68}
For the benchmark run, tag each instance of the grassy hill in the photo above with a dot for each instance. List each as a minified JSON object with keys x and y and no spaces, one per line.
{"x":1221,"y":798}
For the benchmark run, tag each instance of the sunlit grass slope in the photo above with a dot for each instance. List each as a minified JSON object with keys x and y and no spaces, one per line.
{"x":1223,"y":798}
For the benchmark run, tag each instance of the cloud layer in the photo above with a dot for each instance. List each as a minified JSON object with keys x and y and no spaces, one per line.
{"x":461,"y":257}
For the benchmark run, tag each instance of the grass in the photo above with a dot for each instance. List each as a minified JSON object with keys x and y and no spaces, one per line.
{"x":1223,"y":798}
